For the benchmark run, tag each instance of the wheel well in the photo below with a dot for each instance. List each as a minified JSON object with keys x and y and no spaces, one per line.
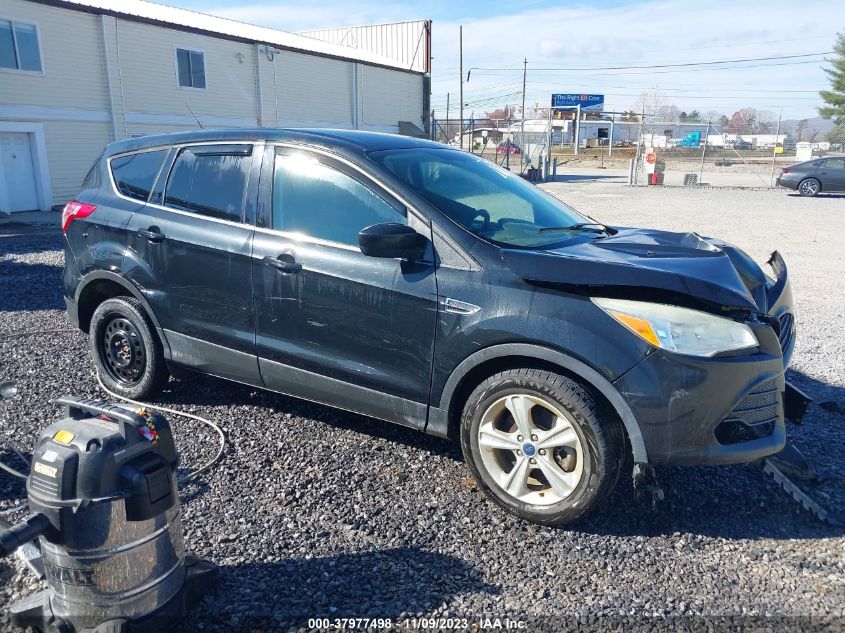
{"x":484,"y":370}
{"x":93,"y":295}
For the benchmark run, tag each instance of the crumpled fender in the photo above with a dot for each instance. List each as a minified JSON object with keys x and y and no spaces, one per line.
{"x":677,"y":262}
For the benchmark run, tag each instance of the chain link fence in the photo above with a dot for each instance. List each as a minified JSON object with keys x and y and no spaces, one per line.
{"x":519,"y":145}
{"x":712,"y":153}
{"x":631,"y":147}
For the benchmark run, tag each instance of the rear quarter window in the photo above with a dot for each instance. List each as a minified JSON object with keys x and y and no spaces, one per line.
{"x":134,"y":174}
{"x":92,"y":178}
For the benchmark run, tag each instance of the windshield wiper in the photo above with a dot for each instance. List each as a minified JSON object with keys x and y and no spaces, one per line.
{"x":595,"y":227}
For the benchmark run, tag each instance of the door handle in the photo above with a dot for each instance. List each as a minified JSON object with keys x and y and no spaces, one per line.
{"x":284,"y":263}
{"x":153,"y":234}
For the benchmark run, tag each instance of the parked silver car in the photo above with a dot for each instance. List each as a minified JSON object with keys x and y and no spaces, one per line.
{"x":822,"y":175}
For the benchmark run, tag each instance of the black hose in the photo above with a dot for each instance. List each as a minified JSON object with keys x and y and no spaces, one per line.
{"x":221,"y":448}
{"x":12,"y":537}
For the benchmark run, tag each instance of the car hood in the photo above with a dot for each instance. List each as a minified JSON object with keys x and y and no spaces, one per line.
{"x":704,"y":268}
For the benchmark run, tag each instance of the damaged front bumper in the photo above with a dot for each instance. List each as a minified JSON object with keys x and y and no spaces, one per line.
{"x":722,"y":409}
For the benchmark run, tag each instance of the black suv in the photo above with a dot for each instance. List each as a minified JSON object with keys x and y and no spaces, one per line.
{"x":420,"y":284}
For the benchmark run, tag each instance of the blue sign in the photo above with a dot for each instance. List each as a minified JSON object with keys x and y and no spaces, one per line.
{"x":571,"y":100}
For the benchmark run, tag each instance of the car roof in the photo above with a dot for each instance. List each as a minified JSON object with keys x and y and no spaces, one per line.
{"x":350,"y":140}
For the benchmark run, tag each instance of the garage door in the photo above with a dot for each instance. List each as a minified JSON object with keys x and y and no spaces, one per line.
{"x":18,"y":171}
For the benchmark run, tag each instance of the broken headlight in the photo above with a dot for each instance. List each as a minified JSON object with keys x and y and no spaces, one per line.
{"x":679,"y":329}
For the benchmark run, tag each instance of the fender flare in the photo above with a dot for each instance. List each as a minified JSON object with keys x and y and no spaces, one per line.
{"x":131,"y":289}
{"x":573,"y":365}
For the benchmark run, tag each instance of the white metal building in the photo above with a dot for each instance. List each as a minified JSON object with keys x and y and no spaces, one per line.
{"x":78,"y":74}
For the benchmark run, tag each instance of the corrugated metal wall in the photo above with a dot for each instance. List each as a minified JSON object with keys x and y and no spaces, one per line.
{"x":407,"y":43}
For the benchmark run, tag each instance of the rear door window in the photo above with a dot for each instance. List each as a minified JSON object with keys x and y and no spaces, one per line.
{"x":834,"y":163}
{"x":134,"y":174}
{"x":210,"y":180}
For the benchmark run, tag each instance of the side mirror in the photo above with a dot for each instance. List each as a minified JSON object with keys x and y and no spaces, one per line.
{"x":392,"y":240}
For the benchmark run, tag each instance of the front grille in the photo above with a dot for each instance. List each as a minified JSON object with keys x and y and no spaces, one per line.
{"x":753,"y":417}
{"x":786,"y":331}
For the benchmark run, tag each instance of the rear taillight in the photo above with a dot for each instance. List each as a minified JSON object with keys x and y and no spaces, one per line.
{"x":74,"y":209}
{"x":785,"y":170}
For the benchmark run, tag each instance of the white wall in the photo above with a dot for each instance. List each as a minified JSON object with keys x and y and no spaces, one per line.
{"x":106,"y":78}
{"x":148,"y":67}
{"x":71,"y":59}
{"x":312,"y":91}
{"x":72,"y":147}
{"x":390,"y":96}
{"x":67,"y":102}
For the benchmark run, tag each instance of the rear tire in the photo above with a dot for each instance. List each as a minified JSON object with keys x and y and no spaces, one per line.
{"x":127,"y":351}
{"x":809,"y":187}
{"x":540,"y":445}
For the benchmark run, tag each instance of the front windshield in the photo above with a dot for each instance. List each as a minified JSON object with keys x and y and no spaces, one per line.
{"x":485,"y":199}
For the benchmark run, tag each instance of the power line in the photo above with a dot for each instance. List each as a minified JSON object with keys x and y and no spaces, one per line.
{"x":792,"y":39}
{"x":694,"y":48}
{"x":685,"y":88}
{"x":489,"y":92}
{"x":693,"y":70}
{"x":685,"y":64}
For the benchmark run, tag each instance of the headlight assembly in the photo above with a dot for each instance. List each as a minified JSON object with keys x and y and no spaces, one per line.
{"x":679,"y":329}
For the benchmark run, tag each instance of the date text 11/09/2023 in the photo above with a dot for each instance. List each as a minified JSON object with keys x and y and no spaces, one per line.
{"x":418,"y":623}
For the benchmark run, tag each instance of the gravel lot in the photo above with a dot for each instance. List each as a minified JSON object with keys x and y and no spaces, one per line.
{"x":315,"y":512}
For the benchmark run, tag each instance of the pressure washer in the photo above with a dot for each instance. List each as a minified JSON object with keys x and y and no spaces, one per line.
{"x":105,"y":509}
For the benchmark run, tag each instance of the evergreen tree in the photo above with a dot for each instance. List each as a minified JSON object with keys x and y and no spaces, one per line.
{"x":835,"y":97}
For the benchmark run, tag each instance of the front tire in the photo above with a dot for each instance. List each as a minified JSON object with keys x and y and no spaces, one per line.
{"x":127,"y":351}
{"x":539,"y":445}
{"x":809,"y":187}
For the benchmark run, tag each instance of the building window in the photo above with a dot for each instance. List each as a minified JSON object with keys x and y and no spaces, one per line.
{"x":19,"y":46}
{"x":190,"y":68}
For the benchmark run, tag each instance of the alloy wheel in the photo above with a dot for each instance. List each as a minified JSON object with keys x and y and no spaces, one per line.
{"x":531,"y":449}
{"x":809,"y":187}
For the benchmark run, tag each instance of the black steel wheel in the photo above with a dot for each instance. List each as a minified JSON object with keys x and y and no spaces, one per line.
{"x":126,"y":349}
{"x":122,"y":347}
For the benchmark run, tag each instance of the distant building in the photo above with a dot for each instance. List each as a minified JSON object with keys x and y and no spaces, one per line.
{"x":78,"y":74}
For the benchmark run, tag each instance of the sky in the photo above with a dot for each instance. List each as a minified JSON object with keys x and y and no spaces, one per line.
{"x":558,"y":37}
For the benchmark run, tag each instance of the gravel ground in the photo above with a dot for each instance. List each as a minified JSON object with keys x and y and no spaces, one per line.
{"x":316,"y":512}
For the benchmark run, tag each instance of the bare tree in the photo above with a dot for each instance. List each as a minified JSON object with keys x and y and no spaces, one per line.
{"x":766,"y":122}
{"x":743,"y":121}
{"x":712,"y":115}
{"x":800,"y":130}
{"x":498,"y":113}
{"x":668,"y":114}
{"x":813,"y":134}
{"x":649,"y":102}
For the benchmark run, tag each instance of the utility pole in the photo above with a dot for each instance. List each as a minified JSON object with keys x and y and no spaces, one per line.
{"x":703,"y":153}
{"x":775,"y":152}
{"x":461,"y":71}
{"x":524,"y":74}
{"x":447,"y":117}
{"x":577,"y":143}
{"x":638,"y":153}
{"x":522,"y":127}
{"x":509,"y":142}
